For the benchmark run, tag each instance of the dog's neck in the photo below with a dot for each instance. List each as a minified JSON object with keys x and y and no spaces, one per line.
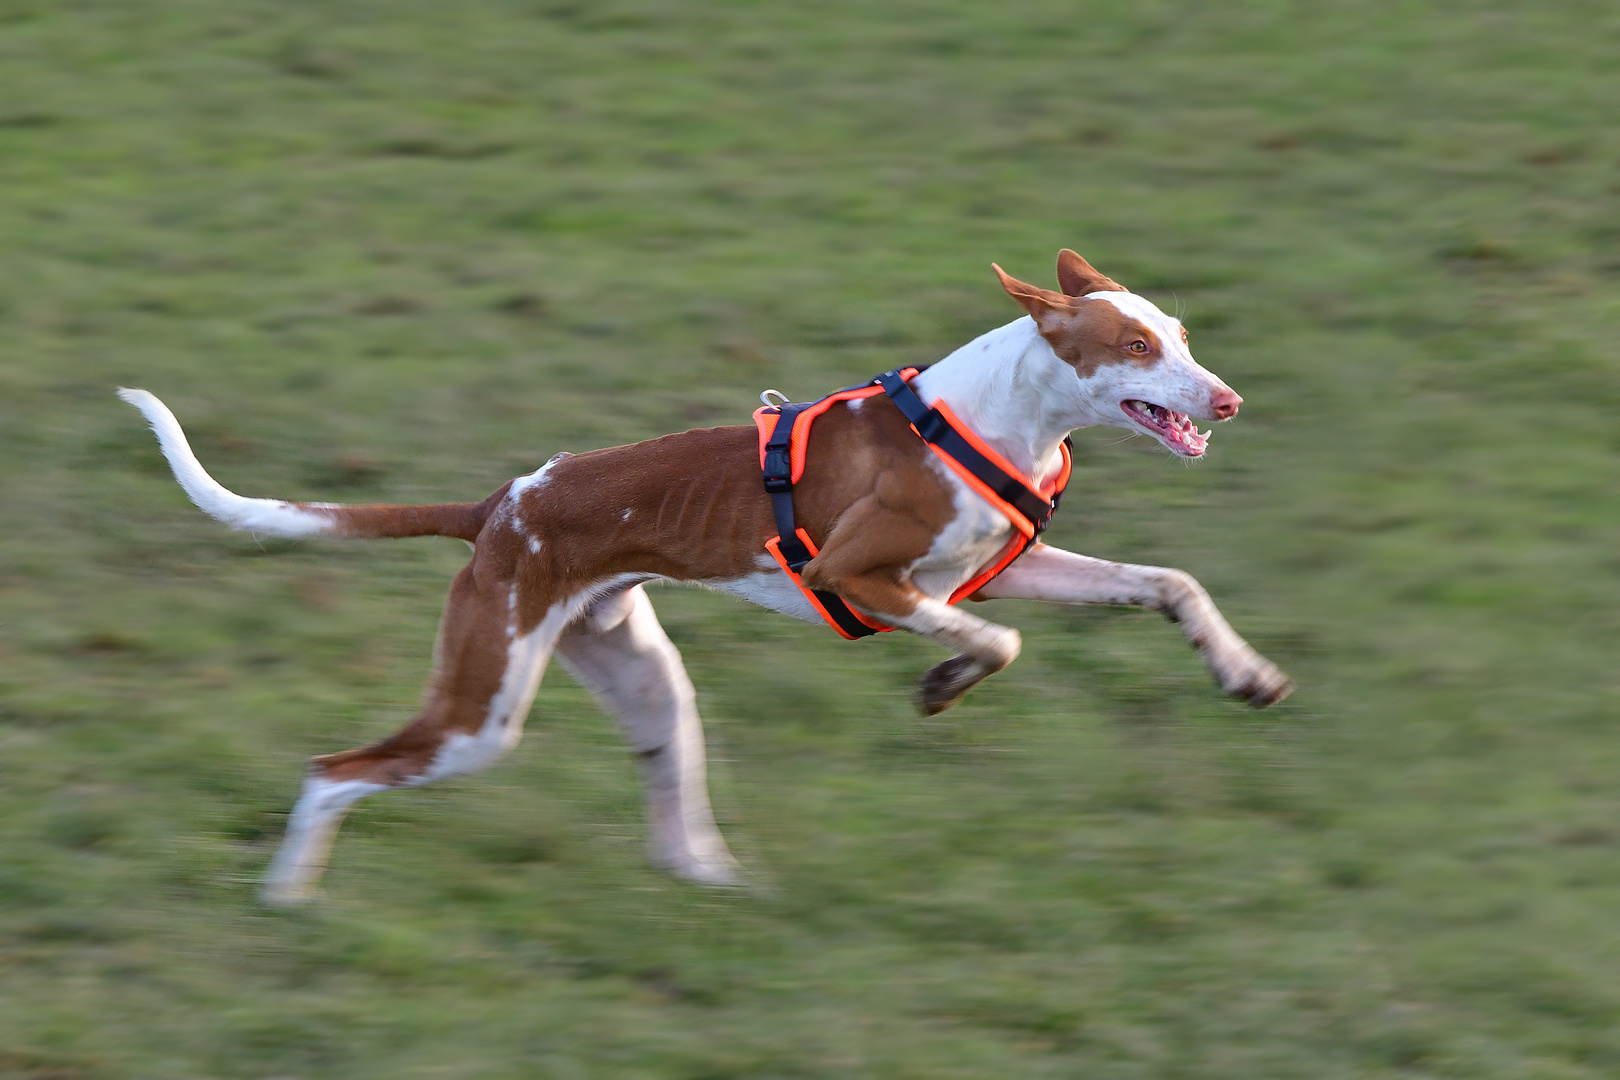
{"x":1014,"y":392}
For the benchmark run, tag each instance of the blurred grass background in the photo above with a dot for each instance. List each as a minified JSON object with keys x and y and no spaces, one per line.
{"x":402,"y":251}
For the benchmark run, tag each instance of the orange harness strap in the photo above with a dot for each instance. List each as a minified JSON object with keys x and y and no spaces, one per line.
{"x":782,"y":453}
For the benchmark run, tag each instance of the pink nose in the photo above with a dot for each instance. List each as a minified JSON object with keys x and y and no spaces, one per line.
{"x":1224,"y":403}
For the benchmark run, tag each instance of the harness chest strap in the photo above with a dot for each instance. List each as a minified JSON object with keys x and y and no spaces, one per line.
{"x":784,"y":436}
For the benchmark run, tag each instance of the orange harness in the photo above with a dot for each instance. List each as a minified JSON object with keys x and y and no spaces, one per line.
{"x":784,"y":448}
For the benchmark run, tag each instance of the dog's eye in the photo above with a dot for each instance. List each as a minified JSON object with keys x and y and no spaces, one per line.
{"x":1139,"y":347}
{"x":1184,"y":335}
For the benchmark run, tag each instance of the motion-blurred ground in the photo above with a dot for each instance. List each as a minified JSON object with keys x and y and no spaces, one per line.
{"x":401,"y":251}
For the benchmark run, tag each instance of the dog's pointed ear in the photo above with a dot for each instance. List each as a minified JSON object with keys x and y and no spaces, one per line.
{"x":1043,"y":304}
{"x":1076,"y":277}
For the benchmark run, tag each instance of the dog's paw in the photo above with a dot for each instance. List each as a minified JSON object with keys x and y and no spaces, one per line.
{"x":723,"y":873}
{"x":1257,"y":681}
{"x":286,"y":895}
{"x":948,"y":682}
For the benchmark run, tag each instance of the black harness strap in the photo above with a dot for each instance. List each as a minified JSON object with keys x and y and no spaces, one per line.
{"x":779,"y":485}
{"x":935,"y":429}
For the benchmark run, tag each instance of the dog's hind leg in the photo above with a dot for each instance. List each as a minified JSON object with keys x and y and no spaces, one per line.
{"x":311,"y":828}
{"x":619,"y":652}
{"x":486,"y":670}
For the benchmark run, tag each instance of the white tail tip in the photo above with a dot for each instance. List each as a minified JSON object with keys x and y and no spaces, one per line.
{"x":267,"y":517}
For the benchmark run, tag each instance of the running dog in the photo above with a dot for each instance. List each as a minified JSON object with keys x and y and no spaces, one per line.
{"x":891,"y":526}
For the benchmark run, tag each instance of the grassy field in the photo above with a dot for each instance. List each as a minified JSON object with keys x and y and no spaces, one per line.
{"x":402,"y":251}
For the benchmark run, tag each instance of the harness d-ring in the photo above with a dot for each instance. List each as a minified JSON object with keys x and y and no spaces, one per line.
{"x":765,"y":399}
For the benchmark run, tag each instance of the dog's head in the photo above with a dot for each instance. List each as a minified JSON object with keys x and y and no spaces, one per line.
{"x":1132,"y":362}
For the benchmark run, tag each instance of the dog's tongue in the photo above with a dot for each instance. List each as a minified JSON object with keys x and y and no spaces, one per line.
{"x":1185,"y":432}
{"x":1178,"y":428}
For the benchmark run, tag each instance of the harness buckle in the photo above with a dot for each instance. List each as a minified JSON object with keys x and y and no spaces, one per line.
{"x":778,"y":471}
{"x":765,"y":399}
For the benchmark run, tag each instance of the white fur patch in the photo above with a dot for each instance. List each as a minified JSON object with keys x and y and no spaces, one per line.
{"x":969,"y":542}
{"x":770,"y":588}
{"x":1011,"y":389}
{"x":266,"y":517}
{"x":534,"y":479}
{"x":1144,"y":310}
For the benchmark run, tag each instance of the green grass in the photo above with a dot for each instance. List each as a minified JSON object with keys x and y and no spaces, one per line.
{"x":402,"y":251}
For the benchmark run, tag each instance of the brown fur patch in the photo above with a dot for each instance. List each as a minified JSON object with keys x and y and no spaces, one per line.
{"x":464,"y":521}
{"x":1076,"y":277}
{"x":1086,"y":333}
{"x":1098,"y":333}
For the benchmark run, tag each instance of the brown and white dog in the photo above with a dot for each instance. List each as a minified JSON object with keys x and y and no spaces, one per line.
{"x":560,"y":557}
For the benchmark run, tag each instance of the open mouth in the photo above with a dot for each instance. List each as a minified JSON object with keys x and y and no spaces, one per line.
{"x":1175,"y":430}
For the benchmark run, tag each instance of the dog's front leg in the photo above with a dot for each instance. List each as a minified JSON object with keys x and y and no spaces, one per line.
{"x":982,"y":647}
{"x":864,"y":561}
{"x":1049,"y":573}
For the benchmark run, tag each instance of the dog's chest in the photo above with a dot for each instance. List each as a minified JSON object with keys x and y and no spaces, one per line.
{"x":970,"y":540}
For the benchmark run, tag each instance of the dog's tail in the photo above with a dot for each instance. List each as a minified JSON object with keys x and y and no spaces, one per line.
{"x":272,"y":517}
